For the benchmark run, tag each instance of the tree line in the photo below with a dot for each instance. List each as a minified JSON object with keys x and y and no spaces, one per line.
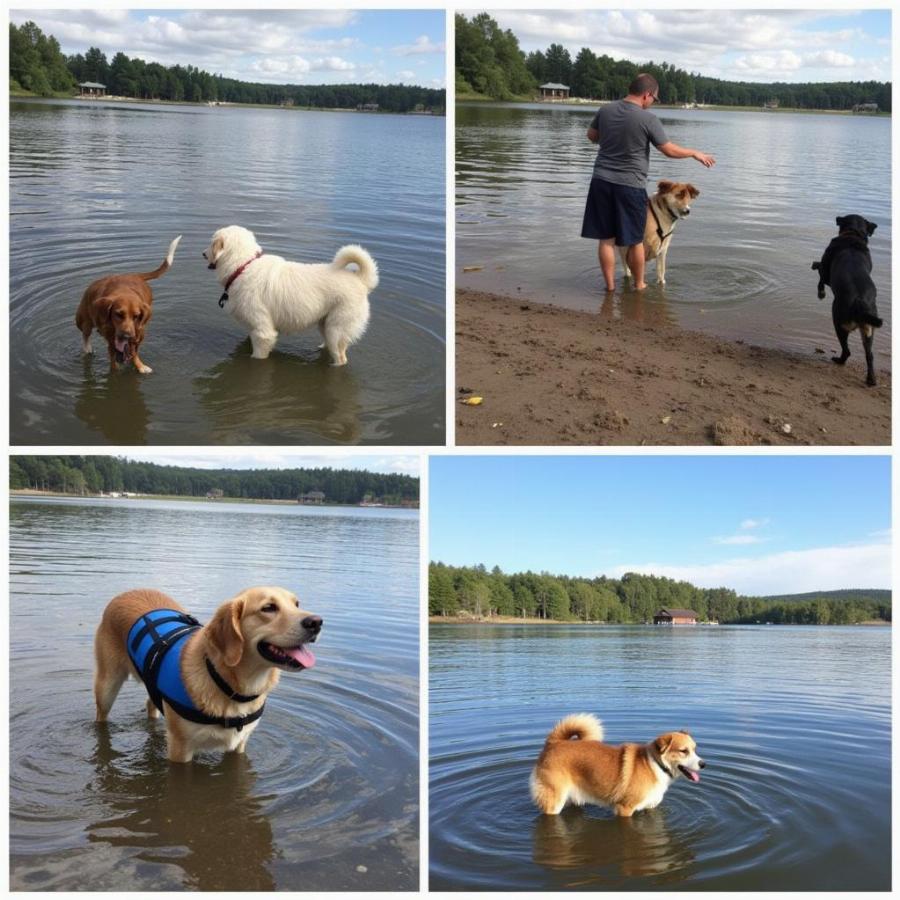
{"x":81,"y":475}
{"x":37,"y":64}
{"x":490,"y":62}
{"x":478,"y":592}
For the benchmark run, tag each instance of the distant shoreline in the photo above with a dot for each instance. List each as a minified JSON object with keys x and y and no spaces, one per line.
{"x":512,"y":620}
{"x":593,"y":104}
{"x":31,"y":492}
{"x":27,"y":95}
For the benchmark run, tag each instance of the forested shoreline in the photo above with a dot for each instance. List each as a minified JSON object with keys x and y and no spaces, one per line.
{"x":38,"y":65}
{"x":87,"y":475}
{"x":489,"y":62}
{"x":478,"y":593}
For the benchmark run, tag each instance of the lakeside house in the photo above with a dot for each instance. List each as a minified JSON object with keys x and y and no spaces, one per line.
{"x":215,"y":494}
{"x":91,"y":89}
{"x":675,"y":617}
{"x":553,"y":91}
{"x":865,"y":108}
{"x":316,"y":498}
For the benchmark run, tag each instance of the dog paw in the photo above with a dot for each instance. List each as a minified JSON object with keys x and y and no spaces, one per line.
{"x":838,"y":359}
{"x":144,"y":370}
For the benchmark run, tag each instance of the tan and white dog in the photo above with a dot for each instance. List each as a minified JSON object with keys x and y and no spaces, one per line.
{"x":210,"y":682}
{"x":670,"y":203}
{"x":270,"y":295}
{"x":576,"y":766}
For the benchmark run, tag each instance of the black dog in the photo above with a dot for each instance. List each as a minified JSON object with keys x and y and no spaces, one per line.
{"x":845,"y":268}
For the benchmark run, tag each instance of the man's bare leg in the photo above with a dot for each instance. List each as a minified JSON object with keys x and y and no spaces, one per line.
{"x":635,"y":257}
{"x":606,"y":253}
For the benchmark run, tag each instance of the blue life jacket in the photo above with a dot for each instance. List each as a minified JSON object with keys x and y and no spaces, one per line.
{"x":155,"y":643}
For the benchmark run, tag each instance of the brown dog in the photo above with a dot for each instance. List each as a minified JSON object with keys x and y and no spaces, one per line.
{"x":670,"y":203}
{"x":210,"y":682}
{"x":627,"y":778}
{"x":119,"y":307}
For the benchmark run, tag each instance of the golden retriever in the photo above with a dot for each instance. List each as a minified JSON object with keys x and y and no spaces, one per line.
{"x":269,"y":295}
{"x":670,"y":203}
{"x":119,"y":307}
{"x":575,"y":765}
{"x":211,"y":682}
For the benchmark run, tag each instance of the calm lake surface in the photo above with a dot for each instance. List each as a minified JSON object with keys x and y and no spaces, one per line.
{"x":739,"y":267}
{"x":97,"y":188}
{"x":794,"y":724}
{"x":326,"y":797}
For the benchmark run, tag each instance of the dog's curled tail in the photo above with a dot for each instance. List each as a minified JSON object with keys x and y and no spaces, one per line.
{"x":583,"y":726}
{"x":166,"y":263}
{"x":368,"y":269}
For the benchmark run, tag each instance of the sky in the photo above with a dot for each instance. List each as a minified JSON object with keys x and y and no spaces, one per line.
{"x":760,"y":525}
{"x":793,"y":45}
{"x":330,"y":46}
{"x":266,"y":458}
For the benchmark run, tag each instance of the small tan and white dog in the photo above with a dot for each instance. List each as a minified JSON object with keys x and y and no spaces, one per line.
{"x":270,"y":295}
{"x":576,"y":766}
{"x":670,"y":203}
{"x":210,"y":681}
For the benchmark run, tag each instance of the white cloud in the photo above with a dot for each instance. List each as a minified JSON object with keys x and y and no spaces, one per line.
{"x":406,"y":75}
{"x":747,"y":524}
{"x":422,"y":44}
{"x":830,"y":59}
{"x":788,"y":572}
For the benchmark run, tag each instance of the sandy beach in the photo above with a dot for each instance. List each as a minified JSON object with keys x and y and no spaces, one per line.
{"x":550,"y":375}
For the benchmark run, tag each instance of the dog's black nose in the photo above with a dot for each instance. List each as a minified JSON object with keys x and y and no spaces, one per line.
{"x":702,"y":764}
{"x":312,"y":623}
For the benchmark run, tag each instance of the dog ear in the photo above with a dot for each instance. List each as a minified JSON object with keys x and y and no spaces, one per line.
{"x":870,"y":228}
{"x":694,"y":192}
{"x":841,"y":221}
{"x":225,"y":631}
{"x":665,"y":186}
{"x":663,"y":742}
{"x":103,"y":308}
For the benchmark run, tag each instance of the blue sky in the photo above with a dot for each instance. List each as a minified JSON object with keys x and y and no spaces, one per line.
{"x":758,"y":524}
{"x":329,"y":46}
{"x":792,"y":45}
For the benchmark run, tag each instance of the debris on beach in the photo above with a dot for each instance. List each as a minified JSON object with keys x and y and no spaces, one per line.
{"x":473,"y":268}
{"x":473,"y":401}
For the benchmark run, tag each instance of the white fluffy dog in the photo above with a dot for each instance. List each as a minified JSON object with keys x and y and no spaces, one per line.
{"x":269,"y":294}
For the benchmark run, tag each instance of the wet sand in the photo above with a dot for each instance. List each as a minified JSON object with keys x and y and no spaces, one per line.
{"x":550,"y":375}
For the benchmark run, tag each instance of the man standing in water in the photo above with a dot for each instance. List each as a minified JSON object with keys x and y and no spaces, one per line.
{"x":616,"y":210}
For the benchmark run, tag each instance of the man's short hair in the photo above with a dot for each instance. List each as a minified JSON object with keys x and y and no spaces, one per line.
{"x":644,"y":84}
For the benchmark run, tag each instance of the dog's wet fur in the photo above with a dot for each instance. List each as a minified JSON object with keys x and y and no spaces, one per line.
{"x":846,"y":268}
{"x":575,"y":766}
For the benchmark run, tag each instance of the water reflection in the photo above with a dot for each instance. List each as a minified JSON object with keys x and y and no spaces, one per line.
{"x":641,"y":845}
{"x":204,"y":819}
{"x":250,"y":400}
{"x":112,"y":403}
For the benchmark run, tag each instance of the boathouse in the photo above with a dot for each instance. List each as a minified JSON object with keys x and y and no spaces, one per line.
{"x":675,"y":617}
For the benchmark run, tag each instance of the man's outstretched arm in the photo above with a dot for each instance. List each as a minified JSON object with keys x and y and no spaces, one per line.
{"x":673,"y":151}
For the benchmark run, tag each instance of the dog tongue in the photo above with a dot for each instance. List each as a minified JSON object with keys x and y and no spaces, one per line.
{"x":302,"y":655}
{"x":692,"y":775}
{"x":121,"y":344}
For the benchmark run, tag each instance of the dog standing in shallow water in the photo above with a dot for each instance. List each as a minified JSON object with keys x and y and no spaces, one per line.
{"x":576,"y":766}
{"x":269,"y":295}
{"x":670,"y":204}
{"x":210,"y":682}
{"x":845,"y":267}
{"x":119,"y":307}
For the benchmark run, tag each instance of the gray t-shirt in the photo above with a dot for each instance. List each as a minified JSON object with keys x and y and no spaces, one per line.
{"x":626,"y":132}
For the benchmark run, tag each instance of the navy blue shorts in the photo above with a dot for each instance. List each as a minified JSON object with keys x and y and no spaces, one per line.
{"x":615,"y":211}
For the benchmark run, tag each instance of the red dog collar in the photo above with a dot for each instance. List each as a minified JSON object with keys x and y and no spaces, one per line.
{"x":233,"y":277}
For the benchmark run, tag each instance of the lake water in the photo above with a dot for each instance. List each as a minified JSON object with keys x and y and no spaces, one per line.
{"x":97,"y":188}
{"x":738,"y":268}
{"x":794,"y":724}
{"x":326,"y":797}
